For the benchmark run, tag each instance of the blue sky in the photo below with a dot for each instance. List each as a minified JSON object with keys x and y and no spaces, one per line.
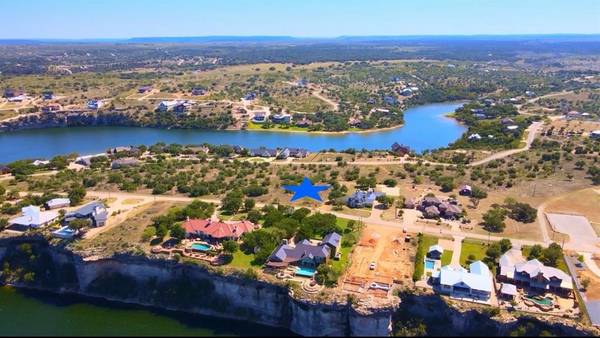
{"x":314,"y":18}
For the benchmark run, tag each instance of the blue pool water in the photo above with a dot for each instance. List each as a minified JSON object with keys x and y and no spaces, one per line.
{"x":304,"y":271}
{"x":429,"y":264}
{"x":200,"y":247}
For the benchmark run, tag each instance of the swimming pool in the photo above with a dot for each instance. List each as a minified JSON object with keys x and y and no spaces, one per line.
{"x":64,"y":233}
{"x":429,"y":264}
{"x":305,"y":272}
{"x":201,"y":247}
{"x":544,"y":301}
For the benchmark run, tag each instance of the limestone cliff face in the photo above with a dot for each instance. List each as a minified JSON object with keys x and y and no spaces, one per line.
{"x":241,"y":298}
{"x":67,"y":119}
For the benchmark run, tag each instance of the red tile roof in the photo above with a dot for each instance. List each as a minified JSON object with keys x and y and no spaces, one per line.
{"x":218,"y":229}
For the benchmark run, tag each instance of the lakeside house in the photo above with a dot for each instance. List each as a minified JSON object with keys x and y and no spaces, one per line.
{"x":400,"y":149}
{"x":303,"y":123}
{"x":50,"y":108}
{"x":10,"y":93}
{"x":259,"y":117}
{"x":305,"y":254}
{"x":532,"y":274}
{"x":57,"y":203}
{"x":595,"y":135}
{"x":177,"y":106}
{"x":456,"y":281}
{"x":212,"y":230}
{"x":94,"y":104}
{"x":363,"y":199}
{"x":86,"y":160}
{"x":263,"y":152}
{"x":281,"y":118}
{"x":474,"y":137}
{"x":33,"y":217}
{"x":292,"y":152}
{"x":95,"y":211}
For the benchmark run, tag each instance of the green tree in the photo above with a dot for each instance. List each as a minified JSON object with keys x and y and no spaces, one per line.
{"x":493,"y":219}
{"x":232,"y":202}
{"x":76,"y":194}
{"x":178,"y":232}
{"x":230,"y":246}
{"x":148,"y":233}
{"x":249,"y":204}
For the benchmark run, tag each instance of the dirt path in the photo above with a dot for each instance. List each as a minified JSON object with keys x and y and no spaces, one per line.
{"x":456,"y":249}
{"x":318,"y":93}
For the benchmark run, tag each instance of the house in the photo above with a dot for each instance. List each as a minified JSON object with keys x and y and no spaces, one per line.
{"x":117,"y":150}
{"x":363,"y":199}
{"x":390,"y":100}
{"x":529,"y":93}
{"x":533,"y":274}
{"x":259,"y":117}
{"x":435,"y":252}
{"x":298,"y":152}
{"x":431,"y":212}
{"x":217,"y":230}
{"x":19,"y":98}
{"x":33,"y":217}
{"x":400,"y":149}
{"x":406,"y":92}
{"x":198,"y":91}
{"x":238,"y":149}
{"x":371,"y":101}
{"x":507,"y":121}
{"x":449,"y":210}
{"x":281,"y":118}
{"x":57,"y":203}
{"x":145,"y":89}
{"x":410,"y":203}
{"x":124,"y":162}
{"x":177,"y":106}
{"x":595,"y":135}
{"x":94,"y":104}
{"x":303,"y":254}
{"x":283,"y":154}
{"x":303,"y":123}
{"x":512,"y":128}
{"x":250,"y":96}
{"x":86,"y":160}
{"x":95,"y":212}
{"x":508,"y":291}
{"x":334,"y":241}
{"x":47,"y":95}
{"x":4,"y":170}
{"x":9,"y":92}
{"x":302,"y":82}
{"x":50,"y":108}
{"x":263,"y":152}
{"x":476,"y":283}
{"x":474,"y":137}
{"x":354,"y":122}
{"x":465,"y":190}
{"x":430,"y":201}
{"x":39,"y":163}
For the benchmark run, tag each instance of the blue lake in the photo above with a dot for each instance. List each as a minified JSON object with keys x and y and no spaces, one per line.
{"x":426,"y":127}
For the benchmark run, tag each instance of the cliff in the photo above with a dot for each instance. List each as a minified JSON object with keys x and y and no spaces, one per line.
{"x":185,"y":287}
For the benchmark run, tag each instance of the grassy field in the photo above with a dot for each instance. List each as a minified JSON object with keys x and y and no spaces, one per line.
{"x":242,"y":261}
{"x":446,"y":257}
{"x":475,"y":248}
{"x":425,"y":241}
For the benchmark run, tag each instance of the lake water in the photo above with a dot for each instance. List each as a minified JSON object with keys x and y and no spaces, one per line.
{"x":425,"y":127}
{"x":44,"y":314}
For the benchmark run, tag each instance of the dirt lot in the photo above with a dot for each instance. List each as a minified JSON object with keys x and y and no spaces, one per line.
{"x":392,"y":255}
{"x":593,"y":290}
{"x":562,"y":127}
{"x":584,"y":202}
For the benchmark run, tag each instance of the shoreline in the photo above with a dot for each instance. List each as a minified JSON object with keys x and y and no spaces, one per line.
{"x":321,"y":132}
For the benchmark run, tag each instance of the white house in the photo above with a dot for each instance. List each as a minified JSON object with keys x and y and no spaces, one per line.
{"x":57,"y":203}
{"x":474,"y":137}
{"x":595,"y":134}
{"x":94,"y":104}
{"x":476,"y":283}
{"x":34,"y":217}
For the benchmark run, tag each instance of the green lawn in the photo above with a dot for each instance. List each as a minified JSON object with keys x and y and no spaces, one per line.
{"x":475,"y":248}
{"x":425,"y":241}
{"x":276,"y":127}
{"x":446,"y":257}
{"x":242,"y":261}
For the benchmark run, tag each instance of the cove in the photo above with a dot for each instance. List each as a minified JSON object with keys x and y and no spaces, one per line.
{"x":425,"y":127}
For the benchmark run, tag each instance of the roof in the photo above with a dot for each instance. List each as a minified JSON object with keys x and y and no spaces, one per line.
{"x":293,"y":253}
{"x":32,"y":216}
{"x":534,"y":268}
{"x":509,"y":260}
{"x":508,"y":289}
{"x":333,"y":239}
{"x":58,"y":201}
{"x":436,"y":247}
{"x":478,"y":279}
{"x":86,"y":210}
{"x":218,"y":229}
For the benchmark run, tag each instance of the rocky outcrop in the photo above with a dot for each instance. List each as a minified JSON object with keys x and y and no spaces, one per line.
{"x":161,"y":283}
{"x":67,"y":119}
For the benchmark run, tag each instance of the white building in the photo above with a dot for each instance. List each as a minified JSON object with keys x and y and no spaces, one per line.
{"x":476,"y":283}
{"x":595,"y":134}
{"x":34,"y":217}
{"x":57,"y":203}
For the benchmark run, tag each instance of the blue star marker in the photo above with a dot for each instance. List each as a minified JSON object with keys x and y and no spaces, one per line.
{"x":306,"y":189}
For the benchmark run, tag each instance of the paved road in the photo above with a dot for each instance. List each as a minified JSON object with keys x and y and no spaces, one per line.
{"x":532,"y":131}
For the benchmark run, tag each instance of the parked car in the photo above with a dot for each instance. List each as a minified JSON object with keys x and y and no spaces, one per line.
{"x":372,"y":266}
